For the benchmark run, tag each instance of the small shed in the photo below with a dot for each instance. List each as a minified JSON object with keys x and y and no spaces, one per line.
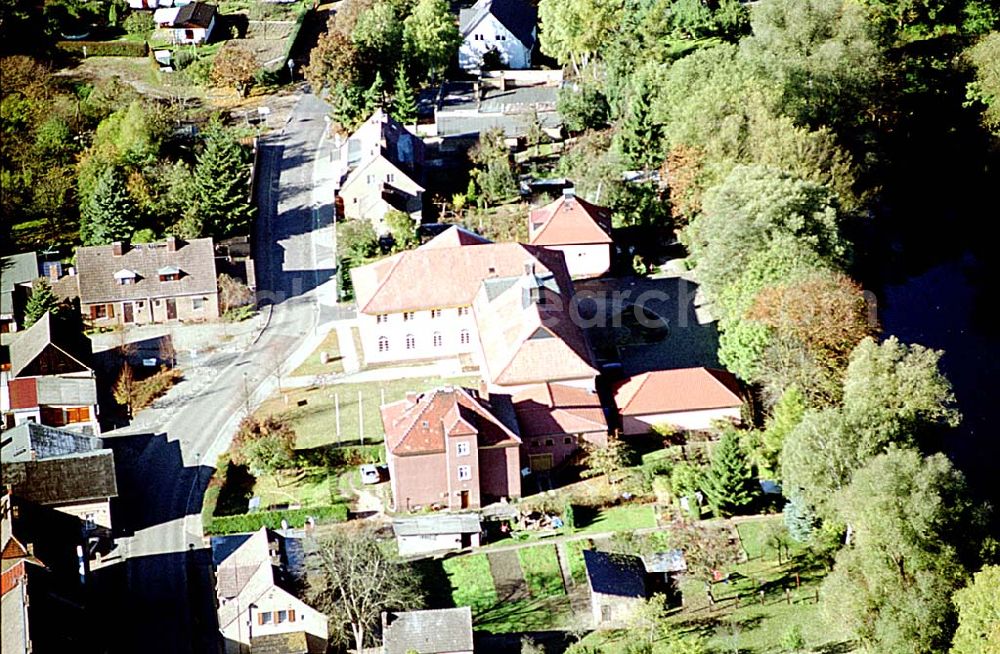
{"x":436,"y":533}
{"x":441,"y":631}
{"x":662,"y":572}
{"x":617,"y":587}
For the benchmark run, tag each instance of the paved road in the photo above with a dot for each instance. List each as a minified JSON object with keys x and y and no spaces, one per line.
{"x":168,"y":605}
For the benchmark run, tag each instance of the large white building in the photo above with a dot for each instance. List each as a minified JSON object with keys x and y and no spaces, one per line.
{"x":506,"y":27}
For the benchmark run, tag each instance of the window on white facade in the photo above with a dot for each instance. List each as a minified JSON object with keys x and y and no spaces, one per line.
{"x":435,"y":313}
{"x":282,"y":616}
{"x":437,"y":339}
{"x":462,"y":448}
{"x":463,"y":311}
{"x":501,"y":37}
{"x":411,"y":342}
{"x":198,"y":303}
{"x":463,"y":337}
{"x":464,"y":473}
{"x":370,"y":179}
{"x":480,"y":37}
{"x":265,"y":617}
{"x":389,"y":177}
{"x":383,"y":344}
{"x":382,"y":318}
{"x":407,"y":315}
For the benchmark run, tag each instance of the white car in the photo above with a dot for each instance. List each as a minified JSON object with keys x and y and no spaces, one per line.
{"x":370,"y":474}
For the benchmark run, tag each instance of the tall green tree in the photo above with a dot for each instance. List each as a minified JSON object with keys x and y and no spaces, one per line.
{"x":985,"y":88}
{"x":41,"y":301}
{"x":786,"y":416}
{"x":978,"y":607}
{"x":221,"y":184}
{"x":110,"y":213}
{"x":404,"y":103}
{"x":574,"y":31}
{"x":378,"y":37}
{"x":430,"y":37}
{"x":494,"y":173}
{"x":893,"y":583}
{"x":730,"y":483}
{"x":402,"y":228}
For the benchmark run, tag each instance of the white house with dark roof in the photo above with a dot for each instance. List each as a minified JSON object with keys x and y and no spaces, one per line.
{"x":507,"y":27}
{"x":189,"y":24}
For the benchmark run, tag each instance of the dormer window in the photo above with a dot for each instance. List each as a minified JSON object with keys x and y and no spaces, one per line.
{"x":169,"y":274}
{"x":125,"y":277}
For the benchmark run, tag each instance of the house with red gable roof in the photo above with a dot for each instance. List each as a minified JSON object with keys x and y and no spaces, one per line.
{"x":452,"y":448}
{"x":578,"y":229}
{"x":556,"y":420}
{"x":687,"y":399}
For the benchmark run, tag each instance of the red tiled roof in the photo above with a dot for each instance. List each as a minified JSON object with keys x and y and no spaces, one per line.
{"x":442,"y":277}
{"x":546,"y":409}
{"x":455,"y":236}
{"x":420,"y":427}
{"x":686,"y":389}
{"x":569,"y":221}
{"x":23,"y":393}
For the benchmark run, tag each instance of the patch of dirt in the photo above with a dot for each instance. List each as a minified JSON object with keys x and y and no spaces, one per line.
{"x":508,"y":578}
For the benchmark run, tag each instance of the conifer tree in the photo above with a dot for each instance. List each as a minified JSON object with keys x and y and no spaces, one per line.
{"x":221,"y":184}
{"x":730,"y":484}
{"x":404,"y":104}
{"x":108,"y":214}
{"x":42,"y":299}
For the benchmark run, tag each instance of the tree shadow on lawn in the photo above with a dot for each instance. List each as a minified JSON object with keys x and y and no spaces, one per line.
{"x":513,"y":613}
{"x":236,"y":491}
{"x":434,"y":580}
{"x":584,"y":516}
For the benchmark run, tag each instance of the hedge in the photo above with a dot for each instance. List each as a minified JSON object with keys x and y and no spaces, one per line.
{"x":105,"y":48}
{"x":235,"y":524}
{"x":336,"y":456}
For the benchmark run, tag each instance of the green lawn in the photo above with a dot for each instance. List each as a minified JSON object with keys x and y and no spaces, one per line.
{"x":308,"y":487}
{"x":312,"y":366}
{"x":471,"y":582}
{"x":574,"y":553}
{"x":540,"y":565}
{"x":621,"y":518}
{"x":313,"y":411}
{"x":534,"y":614}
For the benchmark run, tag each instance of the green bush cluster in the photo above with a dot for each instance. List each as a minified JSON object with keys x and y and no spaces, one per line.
{"x":105,"y":48}
{"x":235,"y":524}
{"x":334,"y":456}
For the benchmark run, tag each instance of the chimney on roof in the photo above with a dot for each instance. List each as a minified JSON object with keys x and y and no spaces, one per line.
{"x":529,"y":268}
{"x":411,"y":397}
{"x":484,"y":391}
{"x":569,"y":193}
{"x":171,"y":244}
{"x":55,"y":271}
{"x":118,"y":248}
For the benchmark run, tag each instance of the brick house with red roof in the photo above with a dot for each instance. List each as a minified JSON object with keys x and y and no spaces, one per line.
{"x":688,"y":399}
{"x":451,"y":448}
{"x":578,"y":229}
{"x":555,"y":421}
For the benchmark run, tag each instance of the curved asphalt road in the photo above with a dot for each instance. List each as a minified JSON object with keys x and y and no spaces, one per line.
{"x":162,"y":599}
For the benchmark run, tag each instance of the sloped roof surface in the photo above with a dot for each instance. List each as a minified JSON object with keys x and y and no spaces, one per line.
{"x":570,"y":221}
{"x":15,"y":269}
{"x":33,"y":441}
{"x":546,"y":409}
{"x":615,"y":574}
{"x":71,"y":478}
{"x":452,"y":523}
{"x":518,"y":16}
{"x":684,"y":389}
{"x":437,"y":631}
{"x":196,"y":14}
{"x":71,"y":348}
{"x":455,"y":236}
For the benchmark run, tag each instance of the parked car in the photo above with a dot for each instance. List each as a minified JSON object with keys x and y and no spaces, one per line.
{"x":370,"y":474}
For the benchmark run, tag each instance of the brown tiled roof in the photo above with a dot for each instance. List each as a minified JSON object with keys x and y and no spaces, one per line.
{"x":442,"y":277}
{"x":546,"y":409}
{"x":526,"y":342}
{"x":455,"y":236}
{"x":569,"y":221}
{"x":685,"y":389}
{"x":420,"y":427}
{"x":97,"y":265}
{"x":69,"y":349}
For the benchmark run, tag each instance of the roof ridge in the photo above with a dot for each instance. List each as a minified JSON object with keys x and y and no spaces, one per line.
{"x":395,"y":259}
{"x":645,"y":379}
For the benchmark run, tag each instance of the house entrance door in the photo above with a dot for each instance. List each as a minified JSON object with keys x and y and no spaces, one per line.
{"x":540,"y":462}
{"x":128,"y":314}
{"x":171,"y":309}
{"x":464,"y":499}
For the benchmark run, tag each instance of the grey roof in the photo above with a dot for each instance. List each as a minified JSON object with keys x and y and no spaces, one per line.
{"x":615,"y":574}
{"x":66,"y":391}
{"x":428,"y":632}
{"x":15,"y":269}
{"x":669,"y":561}
{"x":511,"y":109}
{"x":32,"y":342}
{"x":454,"y":523}
{"x":31,"y":441}
{"x":196,"y":14}
{"x":97,"y":265}
{"x":518,"y":16}
{"x":67,"y":479}
{"x":513,"y":125}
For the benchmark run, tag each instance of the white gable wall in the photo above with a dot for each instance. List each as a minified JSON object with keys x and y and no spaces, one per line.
{"x":491,"y":34}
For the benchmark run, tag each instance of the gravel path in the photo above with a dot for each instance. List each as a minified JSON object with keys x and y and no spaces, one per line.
{"x":508,"y":578}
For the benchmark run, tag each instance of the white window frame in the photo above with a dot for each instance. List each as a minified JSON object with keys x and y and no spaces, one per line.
{"x":381,"y":318}
{"x":462,"y":448}
{"x":383,"y":343}
{"x":464,"y":473}
{"x":437,"y":339}
{"x":411,"y":342}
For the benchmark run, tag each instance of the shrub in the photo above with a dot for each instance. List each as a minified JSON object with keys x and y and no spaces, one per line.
{"x":139,"y":22}
{"x":334,"y":456}
{"x":569,"y":519}
{"x":235,"y":524}
{"x":104,"y":48}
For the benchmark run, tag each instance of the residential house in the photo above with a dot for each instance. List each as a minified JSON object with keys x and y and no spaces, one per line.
{"x":686,"y":399}
{"x":556,"y":420}
{"x":507,"y":28}
{"x":617,"y":587}
{"x":527,"y":332}
{"x":417,"y":304}
{"x":50,"y":381}
{"x":62,"y":470}
{"x":515,"y":102}
{"x":256,"y":610}
{"x":381,"y":165}
{"x":578,"y":229}
{"x":148,"y":283}
{"x":188,"y":24}
{"x":17,"y":272}
{"x":436,"y":533}
{"x":438,"y":631}
{"x":451,"y":448}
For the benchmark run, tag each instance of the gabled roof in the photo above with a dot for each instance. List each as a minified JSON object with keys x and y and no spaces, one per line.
{"x":569,"y":221}
{"x":449,"y":523}
{"x":546,"y":409}
{"x":27,"y":347}
{"x":518,"y":16}
{"x":196,"y":14}
{"x":30,"y":441}
{"x":615,"y":574}
{"x":437,"y":631}
{"x":97,"y":265}
{"x":455,"y":236}
{"x":684,"y":389}
{"x":420,"y":425}
{"x":357,"y":175}
{"x":72,"y":478}
{"x":528,"y":341}
{"x":441,"y":277}
{"x":15,"y":269}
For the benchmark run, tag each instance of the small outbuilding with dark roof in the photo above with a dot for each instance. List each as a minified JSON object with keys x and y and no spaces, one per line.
{"x":617,"y":587}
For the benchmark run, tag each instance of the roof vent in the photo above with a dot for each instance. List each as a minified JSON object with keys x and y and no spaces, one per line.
{"x":569,"y":193}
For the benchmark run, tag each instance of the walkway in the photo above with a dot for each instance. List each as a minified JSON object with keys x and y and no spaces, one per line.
{"x":348,"y":353}
{"x":508,"y":578}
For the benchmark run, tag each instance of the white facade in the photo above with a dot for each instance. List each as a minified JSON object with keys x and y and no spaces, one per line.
{"x":362,"y":193}
{"x":429,"y":543}
{"x":274,"y":612}
{"x":699,"y":420}
{"x":613,"y":611}
{"x":417,"y":335}
{"x":590,"y":260}
{"x":194,"y":35}
{"x":491,"y":34}
{"x":91,"y":514}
